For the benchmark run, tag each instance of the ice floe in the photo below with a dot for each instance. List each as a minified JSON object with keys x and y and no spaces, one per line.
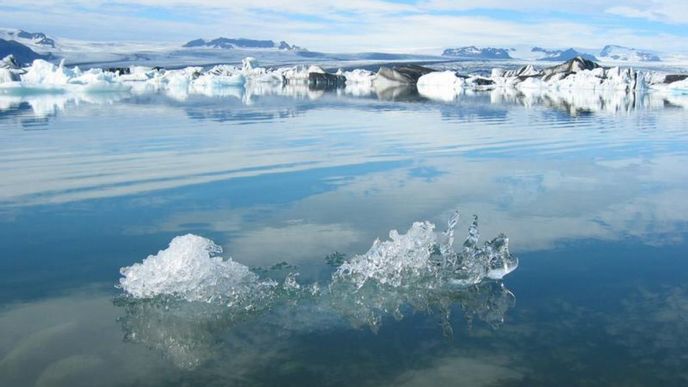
{"x":560,"y":82}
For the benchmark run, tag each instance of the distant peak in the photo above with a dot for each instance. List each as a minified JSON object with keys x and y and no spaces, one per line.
{"x":621,"y":53}
{"x":36,"y":38}
{"x":478,"y":53}
{"x":232,"y":43}
{"x":555,"y":55}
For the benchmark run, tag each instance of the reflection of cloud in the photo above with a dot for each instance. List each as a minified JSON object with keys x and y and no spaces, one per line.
{"x":652,"y":325}
{"x":536,"y":204}
{"x":293,"y":243}
{"x":69,"y":341}
{"x":564,"y":177}
{"x":461,"y":370}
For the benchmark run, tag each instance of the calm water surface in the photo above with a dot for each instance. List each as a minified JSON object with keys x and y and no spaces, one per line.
{"x":594,"y":203}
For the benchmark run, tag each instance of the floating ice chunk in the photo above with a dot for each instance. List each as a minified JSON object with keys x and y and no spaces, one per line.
{"x":47,"y":74}
{"x":389,"y":262}
{"x":438,"y":78}
{"x":316,"y":69}
{"x":422,"y":253}
{"x":440,"y":85}
{"x":359,"y":76}
{"x":421,"y":268}
{"x":190,"y":269}
{"x":42,"y":75}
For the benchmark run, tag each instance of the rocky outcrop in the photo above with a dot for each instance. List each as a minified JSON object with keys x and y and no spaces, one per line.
{"x":118,"y":70}
{"x":671,"y":78}
{"x":325,"y":81}
{"x":38,"y":38}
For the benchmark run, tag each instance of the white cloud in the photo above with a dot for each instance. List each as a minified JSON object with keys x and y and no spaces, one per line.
{"x":359,"y":25}
{"x":658,"y":10}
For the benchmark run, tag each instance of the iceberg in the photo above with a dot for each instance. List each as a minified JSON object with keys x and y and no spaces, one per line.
{"x":43,"y":75}
{"x":389,"y":83}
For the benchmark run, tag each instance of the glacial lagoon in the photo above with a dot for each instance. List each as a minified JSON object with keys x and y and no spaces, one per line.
{"x":293,"y":184}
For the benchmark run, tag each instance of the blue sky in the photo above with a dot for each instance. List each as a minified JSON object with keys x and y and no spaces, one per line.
{"x":356,"y":25}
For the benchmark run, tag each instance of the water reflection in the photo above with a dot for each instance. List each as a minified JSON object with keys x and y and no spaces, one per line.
{"x":71,"y":339}
{"x":191,"y":333}
{"x":294,"y":175}
{"x":573,"y":102}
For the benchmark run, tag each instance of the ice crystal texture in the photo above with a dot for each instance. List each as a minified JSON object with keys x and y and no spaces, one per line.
{"x":422,"y":252}
{"x":179,"y":300}
{"x":190,"y":269}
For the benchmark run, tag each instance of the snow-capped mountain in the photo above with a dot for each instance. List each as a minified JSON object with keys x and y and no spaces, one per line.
{"x":22,"y":54}
{"x":37,"y":41}
{"x":620,"y":53}
{"x":478,"y":53}
{"x":240,"y":43}
{"x":561,"y":55}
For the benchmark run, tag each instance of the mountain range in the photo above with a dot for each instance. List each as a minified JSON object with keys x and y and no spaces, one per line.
{"x":227,"y":43}
{"x":28,"y":46}
{"x":478,"y":53}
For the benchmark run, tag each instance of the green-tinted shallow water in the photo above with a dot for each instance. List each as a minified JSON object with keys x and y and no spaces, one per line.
{"x":594,"y":204}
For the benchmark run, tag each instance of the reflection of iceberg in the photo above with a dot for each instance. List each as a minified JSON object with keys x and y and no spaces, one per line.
{"x":573,"y":102}
{"x":191,"y":333}
{"x":48,"y":104}
{"x":182,"y":332}
{"x":178,"y":300}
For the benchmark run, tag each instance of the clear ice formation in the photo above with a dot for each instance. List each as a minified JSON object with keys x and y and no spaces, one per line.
{"x":422,"y":252}
{"x":191,"y":270}
{"x":179,"y":300}
{"x":420,"y":269}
